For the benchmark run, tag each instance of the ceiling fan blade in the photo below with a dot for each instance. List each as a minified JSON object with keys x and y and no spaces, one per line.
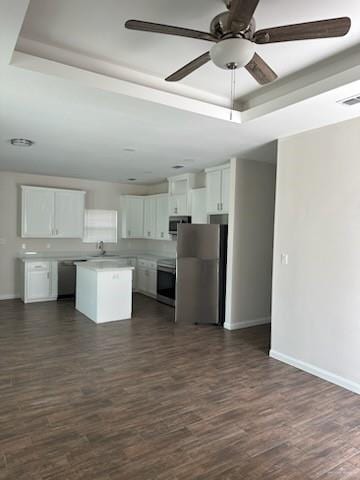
{"x":241,"y":13}
{"x":335,"y":27}
{"x":169,"y":30}
{"x":260,"y":70}
{"x":189,"y":68}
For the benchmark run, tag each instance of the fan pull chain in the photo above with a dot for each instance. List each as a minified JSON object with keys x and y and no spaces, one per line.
{"x":232,"y":92}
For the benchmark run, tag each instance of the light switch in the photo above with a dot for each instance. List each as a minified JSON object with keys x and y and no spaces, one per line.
{"x":284,"y":259}
{"x":23,"y":246}
{"x":48,"y":245}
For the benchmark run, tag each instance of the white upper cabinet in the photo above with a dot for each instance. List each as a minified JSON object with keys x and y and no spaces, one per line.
{"x":132,"y":216}
{"x":179,"y":194}
{"x":37,"y":212}
{"x":69,"y":214}
{"x":178,"y":204}
{"x":213,"y":191}
{"x":52,"y":213}
{"x":198,"y":206}
{"x":162,"y":217}
{"x":150,"y":217}
{"x":217,"y":189}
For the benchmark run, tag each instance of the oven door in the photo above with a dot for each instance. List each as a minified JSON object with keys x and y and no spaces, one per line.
{"x":166,"y":280}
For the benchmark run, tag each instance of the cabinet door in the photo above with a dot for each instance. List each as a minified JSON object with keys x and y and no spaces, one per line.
{"x":150,"y":217}
{"x":37,"y":216}
{"x":182,"y":204}
{"x":162,"y":217}
{"x":198,"y":206}
{"x":173,"y":205}
{"x":142,"y":279}
{"x":69,"y":214}
{"x":38,"y":284}
{"x":152,"y":282}
{"x":213,"y":191}
{"x":178,"y":204}
{"x":225,"y":190}
{"x":133,"y":217}
{"x":133,"y":263}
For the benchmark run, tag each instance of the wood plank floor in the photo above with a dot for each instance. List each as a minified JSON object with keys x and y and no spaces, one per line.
{"x":150,"y":400}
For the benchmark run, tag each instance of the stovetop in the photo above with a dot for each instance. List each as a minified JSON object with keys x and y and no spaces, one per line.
{"x":167,"y":262}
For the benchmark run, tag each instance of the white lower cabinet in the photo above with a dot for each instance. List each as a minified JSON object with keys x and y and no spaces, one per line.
{"x":147,"y":277}
{"x":39,"y":281}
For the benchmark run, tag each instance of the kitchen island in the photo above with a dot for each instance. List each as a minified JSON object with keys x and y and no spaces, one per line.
{"x":104,"y":290}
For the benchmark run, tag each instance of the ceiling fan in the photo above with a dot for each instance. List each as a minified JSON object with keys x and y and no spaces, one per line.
{"x":234,"y":35}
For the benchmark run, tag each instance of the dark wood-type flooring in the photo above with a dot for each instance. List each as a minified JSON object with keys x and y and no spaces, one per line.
{"x":145,"y":399}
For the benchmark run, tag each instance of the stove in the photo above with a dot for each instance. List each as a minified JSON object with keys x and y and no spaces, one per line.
{"x":166,"y":280}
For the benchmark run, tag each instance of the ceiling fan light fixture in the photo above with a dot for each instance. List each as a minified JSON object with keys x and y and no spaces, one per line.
{"x":232,"y":53}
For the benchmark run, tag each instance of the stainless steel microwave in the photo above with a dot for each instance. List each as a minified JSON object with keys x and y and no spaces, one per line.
{"x":175,"y":221}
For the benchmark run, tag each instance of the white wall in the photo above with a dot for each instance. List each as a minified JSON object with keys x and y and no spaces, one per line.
{"x":316,"y":297}
{"x":251,"y":220}
{"x":102,"y":195}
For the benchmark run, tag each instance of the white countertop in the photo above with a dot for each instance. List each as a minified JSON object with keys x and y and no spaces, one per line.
{"x":103,"y":266}
{"x":60,"y":256}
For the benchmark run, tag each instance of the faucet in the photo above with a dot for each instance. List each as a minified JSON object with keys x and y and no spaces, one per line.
{"x":100,"y":246}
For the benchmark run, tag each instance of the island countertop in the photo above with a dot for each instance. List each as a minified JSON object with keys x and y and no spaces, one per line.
{"x":103,"y":266}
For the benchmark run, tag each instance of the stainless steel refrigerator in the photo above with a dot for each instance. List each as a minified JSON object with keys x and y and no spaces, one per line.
{"x":201,"y":274}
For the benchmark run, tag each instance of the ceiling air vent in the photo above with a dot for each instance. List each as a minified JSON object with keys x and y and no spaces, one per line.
{"x":351,"y":101}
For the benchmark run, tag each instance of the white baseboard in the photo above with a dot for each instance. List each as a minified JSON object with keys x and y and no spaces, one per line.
{"x":247,"y":323}
{"x":318,"y":372}
{"x":10,"y":296}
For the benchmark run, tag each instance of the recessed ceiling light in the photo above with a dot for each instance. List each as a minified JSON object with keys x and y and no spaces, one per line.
{"x":176,"y":167}
{"x":21,"y":142}
{"x":131,"y":179}
{"x":129,"y":149}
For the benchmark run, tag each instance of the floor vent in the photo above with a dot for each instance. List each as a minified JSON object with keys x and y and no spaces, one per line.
{"x":351,"y":101}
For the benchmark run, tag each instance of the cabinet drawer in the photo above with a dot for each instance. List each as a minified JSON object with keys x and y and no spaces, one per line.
{"x":39,"y":266}
{"x":143,"y":263}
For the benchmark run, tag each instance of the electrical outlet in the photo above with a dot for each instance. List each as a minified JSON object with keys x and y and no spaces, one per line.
{"x":23,"y":246}
{"x":284,"y":259}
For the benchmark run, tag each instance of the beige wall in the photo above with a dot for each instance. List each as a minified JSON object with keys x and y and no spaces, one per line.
{"x":102,"y":195}
{"x":316,"y":297}
{"x":251,"y":221}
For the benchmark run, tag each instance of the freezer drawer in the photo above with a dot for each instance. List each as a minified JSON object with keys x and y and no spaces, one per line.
{"x":197,"y":294}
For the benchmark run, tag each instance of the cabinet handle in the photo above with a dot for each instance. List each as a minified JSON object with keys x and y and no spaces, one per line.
{"x":217,"y":205}
{"x":175,"y":210}
{"x":162,"y":235}
{"x":48,"y":275}
{"x":129,"y":233}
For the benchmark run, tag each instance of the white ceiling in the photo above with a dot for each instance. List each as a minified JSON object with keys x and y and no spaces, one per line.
{"x":96,"y":29}
{"x":83,"y":122}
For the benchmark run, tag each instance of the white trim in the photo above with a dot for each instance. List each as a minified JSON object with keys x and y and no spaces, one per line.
{"x":9,"y":296}
{"x":318,"y":372}
{"x":247,"y":323}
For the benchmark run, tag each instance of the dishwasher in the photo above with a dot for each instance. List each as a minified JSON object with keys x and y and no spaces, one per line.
{"x":67,"y":278}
